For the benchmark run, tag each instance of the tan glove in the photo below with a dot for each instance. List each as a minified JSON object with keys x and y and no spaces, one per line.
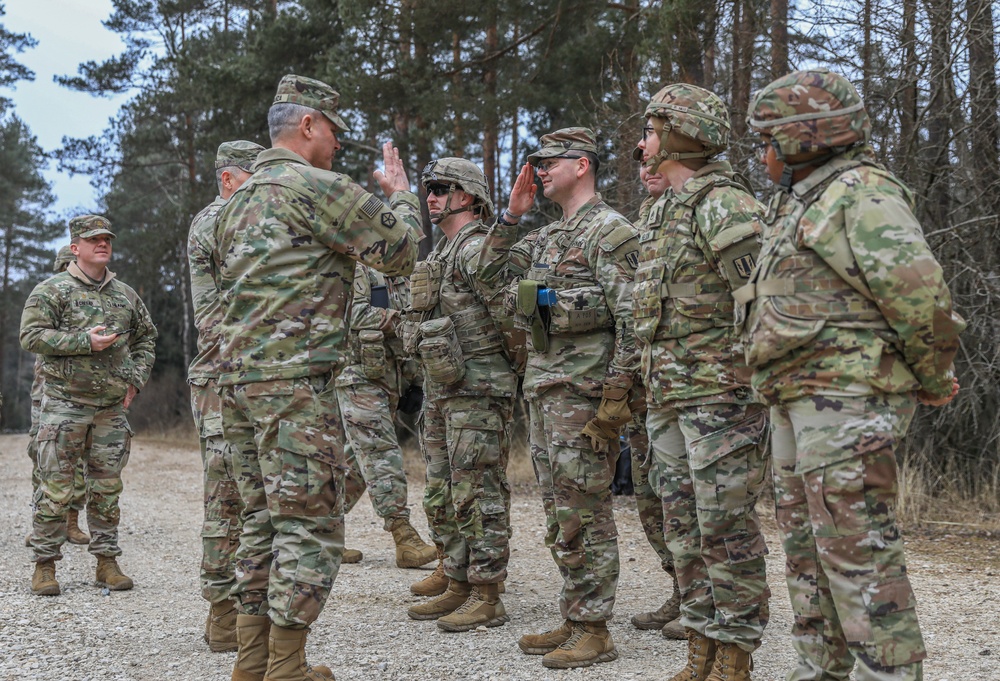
{"x":612,"y":413}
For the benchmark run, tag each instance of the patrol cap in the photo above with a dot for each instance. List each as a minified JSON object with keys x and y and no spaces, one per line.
{"x":313,"y":93}
{"x":565,"y":143}
{"x":63,"y":258}
{"x":86,"y":226}
{"x":238,"y":153}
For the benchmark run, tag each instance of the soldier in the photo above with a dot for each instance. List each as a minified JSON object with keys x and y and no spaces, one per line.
{"x":97,"y":345}
{"x":645,"y":475}
{"x":851,"y":324}
{"x":708,"y":434}
{"x":220,"y":533}
{"x":469,"y":402}
{"x":286,"y":245}
{"x":576,"y":300}
{"x":368,"y":391}
{"x":73,"y":532}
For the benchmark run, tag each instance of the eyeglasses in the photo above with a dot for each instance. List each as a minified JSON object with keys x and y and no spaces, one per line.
{"x":760,"y":145}
{"x":647,"y":131}
{"x":546,"y":165}
{"x":438,"y":189}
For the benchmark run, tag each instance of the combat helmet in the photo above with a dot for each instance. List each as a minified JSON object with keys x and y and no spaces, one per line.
{"x":63,"y":258}
{"x":460,"y":173}
{"x":809,"y":111}
{"x":691,"y":111}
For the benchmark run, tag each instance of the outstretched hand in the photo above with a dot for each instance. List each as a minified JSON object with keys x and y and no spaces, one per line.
{"x":393,"y":178}
{"x":522,"y":196}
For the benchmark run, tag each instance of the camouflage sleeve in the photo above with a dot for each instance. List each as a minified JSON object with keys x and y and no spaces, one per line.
{"x":204,"y":291}
{"x":647,"y":204}
{"x":904,"y":278}
{"x":142,"y":343}
{"x":729,"y":215}
{"x":503,"y":259}
{"x":363,"y":314}
{"x":40,"y":332}
{"x":355,"y":222}
{"x":617,"y":258}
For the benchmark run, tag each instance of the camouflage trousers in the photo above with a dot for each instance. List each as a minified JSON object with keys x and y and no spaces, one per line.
{"x":221,"y":528}
{"x":79,"y":484}
{"x":576,"y":495}
{"x":835,"y":483}
{"x":714,"y":460}
{"x":369,"y":412}
{"x":647,"y":499}
{"x":68,"y":434}
{"x":289,"y":465}
{"x":466,"y":447}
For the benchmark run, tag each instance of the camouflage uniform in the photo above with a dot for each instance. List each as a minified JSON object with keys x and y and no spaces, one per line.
{"x":706,"y":432}
{"x":588,"y":259}
{"x":850,"y":317}
{"x":287,"y":243}
{"x":82,"y":415}
{"x":220,"y":532}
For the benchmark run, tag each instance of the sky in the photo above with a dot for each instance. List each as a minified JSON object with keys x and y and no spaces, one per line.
{"x":69,"y":32}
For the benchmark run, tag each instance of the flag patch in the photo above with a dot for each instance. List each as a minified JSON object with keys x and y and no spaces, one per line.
{"x":372,"y":206}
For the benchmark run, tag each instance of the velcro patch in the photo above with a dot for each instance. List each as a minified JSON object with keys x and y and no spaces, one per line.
{"x":744,"y":265}
{"x":388,"y":220}
{"x":372,"y":206}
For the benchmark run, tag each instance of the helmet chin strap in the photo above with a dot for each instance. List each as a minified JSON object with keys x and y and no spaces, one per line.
{"x":663,"y":155}
{"x":448,"y":210}
{"x":785,"y":183}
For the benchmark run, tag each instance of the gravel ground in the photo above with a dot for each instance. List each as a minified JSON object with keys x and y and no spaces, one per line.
{"x":154,"y":631}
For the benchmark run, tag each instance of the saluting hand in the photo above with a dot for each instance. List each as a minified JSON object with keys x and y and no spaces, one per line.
{"x":393,"y":178}
{"x":98,"y":341}
{"x":522,"y":196}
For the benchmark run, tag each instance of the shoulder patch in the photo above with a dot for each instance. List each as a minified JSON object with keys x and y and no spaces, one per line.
{"x":372,"y":206}
{"x":618,"y":236}
{"x":632,"y":258}
{"x":388,"y":220}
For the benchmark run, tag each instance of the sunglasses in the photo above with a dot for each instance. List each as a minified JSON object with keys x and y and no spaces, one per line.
{"x":438,"y":189}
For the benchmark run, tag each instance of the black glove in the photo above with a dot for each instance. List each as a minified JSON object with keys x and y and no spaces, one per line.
{"x":411,"y":400}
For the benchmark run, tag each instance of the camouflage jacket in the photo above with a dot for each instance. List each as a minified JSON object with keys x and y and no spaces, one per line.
{"x":848,"y":297}
{"x":55,"y":324}
{"x":460,"y":297}
{"x":365,"y":316}
{"x":287,"y":243}
{"x":204,"y":292}
{"x":697,"y":246}
{"x":596,"y":245}
{"x":37,"y":381}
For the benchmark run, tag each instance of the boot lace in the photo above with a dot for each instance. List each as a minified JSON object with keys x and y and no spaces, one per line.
{"x":471,"y":602}
{"x":578,"y":633}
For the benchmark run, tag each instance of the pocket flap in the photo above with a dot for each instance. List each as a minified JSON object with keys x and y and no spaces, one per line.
{"x":708,"y":449}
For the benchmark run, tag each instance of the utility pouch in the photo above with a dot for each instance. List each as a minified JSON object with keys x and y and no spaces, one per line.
{"x":373,"y":359}
{"x":425,"y":284}
{"x":441,"y":352}
{"x":579,"y":310}
{"x":408,"y":331}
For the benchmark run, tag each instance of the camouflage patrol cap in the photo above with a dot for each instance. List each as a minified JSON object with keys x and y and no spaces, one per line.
{"x":463,"y":173}
{"x":312,"y":93}
{"x":237,"y":153}
{"x":565,"y":143}
{"x":694,"y":112}
{"x":86,"y":226}
{"x":807,"y":111}
{"x":63,"y":258}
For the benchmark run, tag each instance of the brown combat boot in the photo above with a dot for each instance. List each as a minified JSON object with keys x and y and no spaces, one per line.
{"x":111,"y":576}
{"x":669,"y":611}
{"x":221,"y":636}
{"x":287,"y":657}
{"x":482,"y":608}
{"x":732,"y":663}
{"x":43,"y":582}
{"x":701,"y":656}
{"x":435,"y":583}
{"x":351,"y":556}
{"x":445,"y":604}
{"x":674,"y":630}
{"x":251,"y":660}
{"x":589,"y":644}
{"x":73,"y":531}
{"x":411,"y":550}
{"x":547,"y":641}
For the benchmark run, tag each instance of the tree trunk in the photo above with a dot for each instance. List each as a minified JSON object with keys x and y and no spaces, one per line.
{"x":491,"y":122}
{"x":985,"y":126}
{"x":906,"y":152}
{"x":779,"y":38}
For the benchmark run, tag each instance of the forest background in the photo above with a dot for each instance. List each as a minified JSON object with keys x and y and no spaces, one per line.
{"x":484,"y":80}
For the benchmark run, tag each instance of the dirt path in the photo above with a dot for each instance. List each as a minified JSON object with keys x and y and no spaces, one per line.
{"x":154,"y":632}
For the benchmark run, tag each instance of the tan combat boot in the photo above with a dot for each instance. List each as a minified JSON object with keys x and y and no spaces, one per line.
{"x":251,"y":660}
{"x":669,"y":611}
{"x":445,"y":604}
{"x":43,"y":582}
{"x":674,"y":630}
{"x":435,"y":583}
{"x":287,"y":657}
{"x":222,"y":627}
{"x":701,"y":655}
{"x":351,"y":556}
{"x":732,"y":663}
{"x":589,"y":644}
{"x":547,"y":641}
{"x":111,"y":576}
{"x":73,"y":531}
{"x":482,"y":608}
{"x":411,"y":550}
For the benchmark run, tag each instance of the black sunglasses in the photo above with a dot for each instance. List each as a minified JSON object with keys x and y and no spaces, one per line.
{"x":438,"y":189}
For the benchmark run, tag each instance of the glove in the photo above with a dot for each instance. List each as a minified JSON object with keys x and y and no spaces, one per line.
{"x":612,"y":413}
{"x":411,"y":400}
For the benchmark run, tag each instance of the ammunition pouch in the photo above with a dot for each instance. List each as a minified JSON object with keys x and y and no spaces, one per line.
{"x":441,"y":352}
{"x":425,"y":284}
{"x":579,"y":310}
{"x":371,"y":349}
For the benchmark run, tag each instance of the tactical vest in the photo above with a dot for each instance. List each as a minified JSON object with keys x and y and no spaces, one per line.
{"x":795,"y":292}
{"x":677,"y":291}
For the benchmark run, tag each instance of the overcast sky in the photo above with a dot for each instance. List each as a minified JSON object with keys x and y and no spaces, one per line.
{"x":68,"y":32}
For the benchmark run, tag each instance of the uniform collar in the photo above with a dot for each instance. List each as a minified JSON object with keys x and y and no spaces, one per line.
{"x":75,"y":272}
